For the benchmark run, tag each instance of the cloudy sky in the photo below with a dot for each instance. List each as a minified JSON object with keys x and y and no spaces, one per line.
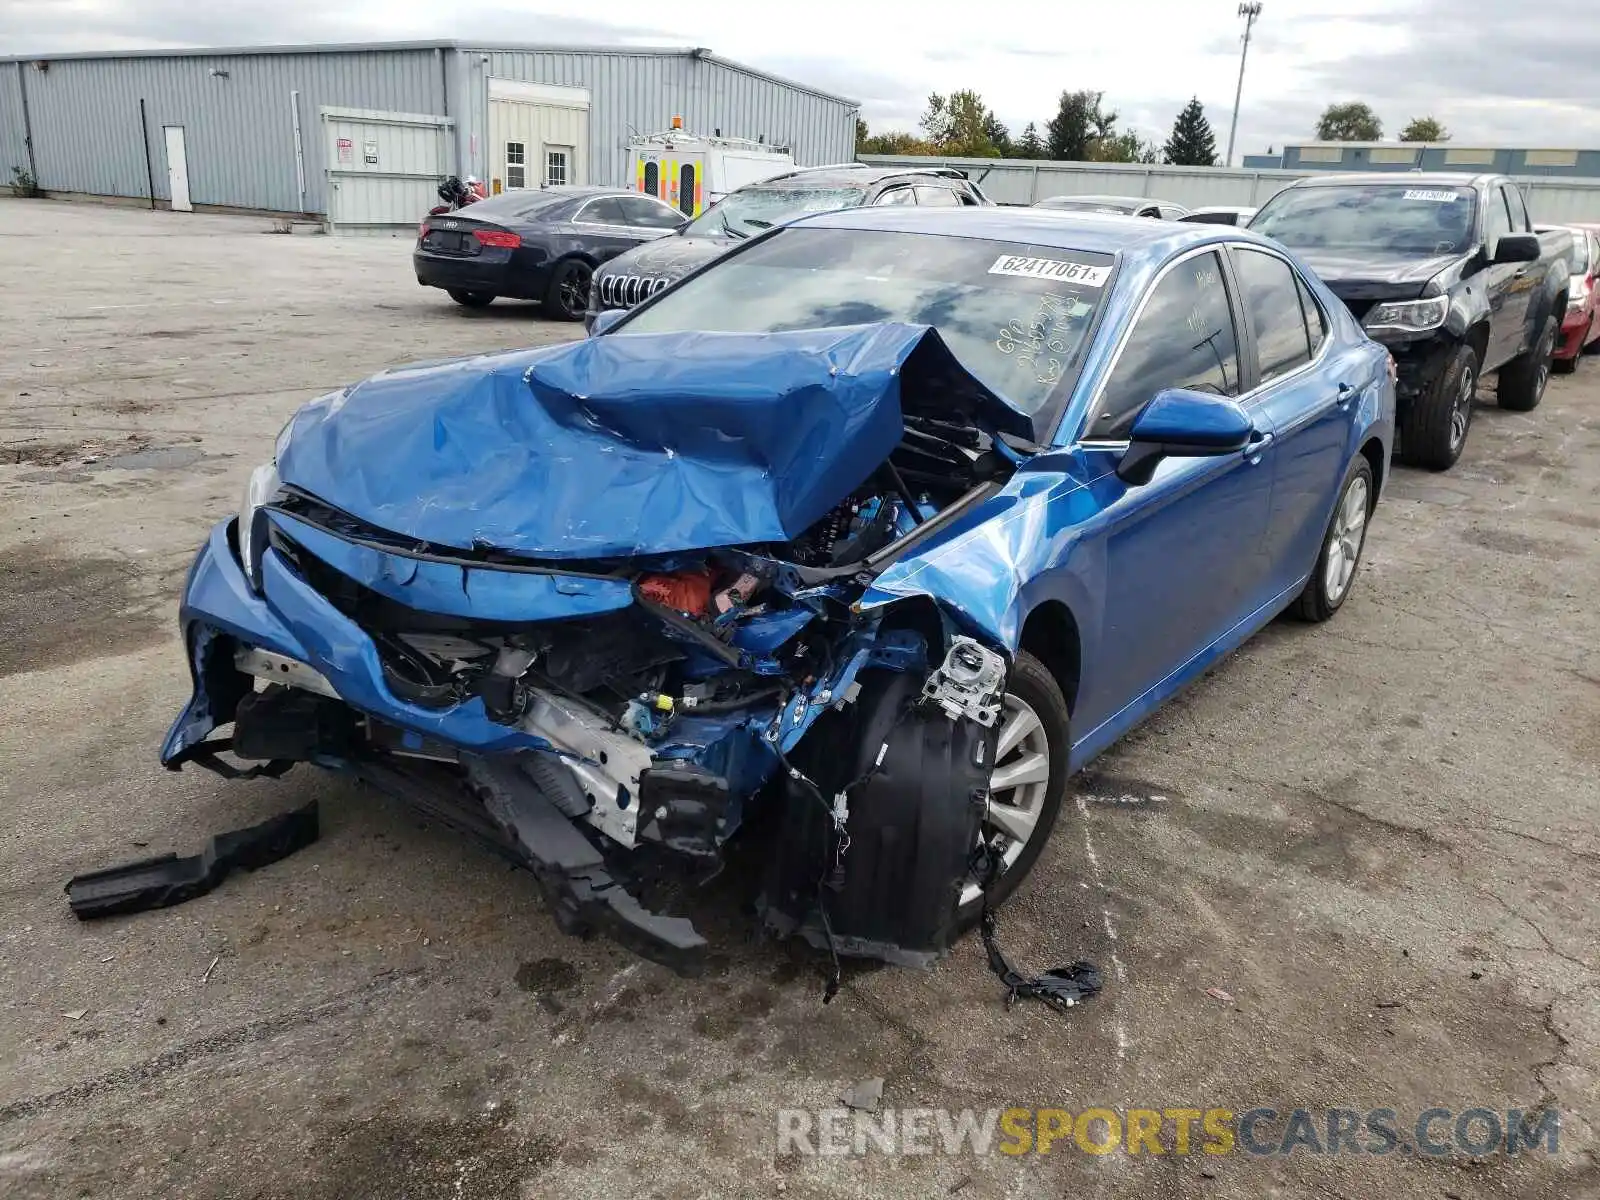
{"x":1494,"y":75}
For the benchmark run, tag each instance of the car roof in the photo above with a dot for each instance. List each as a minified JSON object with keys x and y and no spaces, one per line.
{"x":1401,"y":178}
{"x":845,"y":175}
{"x":1096,"y":233}
{"x":1098,"y":199}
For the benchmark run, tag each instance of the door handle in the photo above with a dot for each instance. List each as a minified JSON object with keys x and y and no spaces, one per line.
{"x":1347,"y":393}
{"x":1258,"y":443}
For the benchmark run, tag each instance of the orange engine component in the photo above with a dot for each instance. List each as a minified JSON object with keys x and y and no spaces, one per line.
{"x":682,"y":591}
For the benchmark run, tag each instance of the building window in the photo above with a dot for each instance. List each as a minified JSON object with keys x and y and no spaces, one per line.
{"x":556,"y":168}
{"x":1393,"y":154}
{"x":1322,"y":154}
{"x":1464,"y":157}
{"x":516,"y":165}
{"x":1551,"y":158}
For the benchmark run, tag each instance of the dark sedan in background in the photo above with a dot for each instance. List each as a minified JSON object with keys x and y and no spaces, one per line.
{"x":1132,"y":206}
{"x":536,"y":245}
{"x":759,"y":206}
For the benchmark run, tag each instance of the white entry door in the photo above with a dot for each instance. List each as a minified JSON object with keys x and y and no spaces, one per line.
{"x":177,"y":169}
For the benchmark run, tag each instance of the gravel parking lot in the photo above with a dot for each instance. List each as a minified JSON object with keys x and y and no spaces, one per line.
{"x":1378,"y":836}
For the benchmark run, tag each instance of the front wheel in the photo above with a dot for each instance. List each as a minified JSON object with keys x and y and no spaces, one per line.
{"x":471,"y":299}
{"x":1028,"y":785}
{"x":1434,"y":423}
{"x":1523,"y":379}
{"x":1336,"y":566}
{"x":568,"y":294}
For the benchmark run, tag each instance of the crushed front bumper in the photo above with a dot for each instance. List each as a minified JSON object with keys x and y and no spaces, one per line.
{"x":334,"y":689}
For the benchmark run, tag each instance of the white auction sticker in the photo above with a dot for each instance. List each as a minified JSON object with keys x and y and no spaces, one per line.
{"x":1437,"y":197}
{"x":1050,"y":268}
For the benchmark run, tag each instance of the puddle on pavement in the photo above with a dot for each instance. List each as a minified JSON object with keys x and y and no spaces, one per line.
{"x":55,"y":611}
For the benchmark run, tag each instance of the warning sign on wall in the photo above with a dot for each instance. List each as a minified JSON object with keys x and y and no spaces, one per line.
{"x":369,"y":150}
{"x":347,"y":150}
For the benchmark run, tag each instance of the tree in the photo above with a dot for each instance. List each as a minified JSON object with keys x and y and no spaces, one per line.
{"x":1191,"y":143}
{"x":1124,"y":147}
{"x":1424,"y":129}
{"x":1078,"y":124}
{"x":1349,"y":122}
{"x":1030,"y":144}
{"x":959,"y":125}
{"x":862,"y":134}
{"x":999,"y":136}
{"x":894,"y":143}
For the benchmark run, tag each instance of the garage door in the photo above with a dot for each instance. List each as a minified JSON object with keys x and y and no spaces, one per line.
{"x":384,"y":168}
{"x":538,"y":135}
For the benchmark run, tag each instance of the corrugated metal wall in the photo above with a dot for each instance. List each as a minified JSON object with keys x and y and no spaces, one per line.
{"x":238,"y":127}
{"x":239,"y":133}
{"x":642,"y":93}
{"x":13,"y":149}
{"x":1022,"y":181}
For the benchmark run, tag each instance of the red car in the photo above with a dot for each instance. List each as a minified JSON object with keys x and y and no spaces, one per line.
{"x":1581,"y":325}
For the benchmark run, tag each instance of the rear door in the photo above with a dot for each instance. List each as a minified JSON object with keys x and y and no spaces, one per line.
{"x":1306,"y":399}
{"x":649,"y":218}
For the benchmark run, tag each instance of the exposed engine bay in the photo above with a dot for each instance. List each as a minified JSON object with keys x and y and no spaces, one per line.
{"x":583,"y":709}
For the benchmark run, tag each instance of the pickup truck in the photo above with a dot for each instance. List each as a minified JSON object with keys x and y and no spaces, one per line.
{"x":1447,"y":272}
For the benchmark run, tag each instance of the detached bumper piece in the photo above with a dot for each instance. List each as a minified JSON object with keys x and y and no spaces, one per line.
{"x":167,"y":879}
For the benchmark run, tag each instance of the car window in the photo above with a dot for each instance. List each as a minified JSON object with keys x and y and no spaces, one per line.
{"x":605,"y":211}
{"x":1519,"y":210}
{"x":937,"y":197}
{"x":1171,"y":212}
{"x":1316,"y":319}
{"x":902,"y":195}
{"x":970,"y":194}
{"x":758,"y":207}
{"x":649,"y":214}
{"x":1017,"y":315}
{"x":1183,"y":338}
{"x":1271,"y":296}
{"x":1497,"y":221}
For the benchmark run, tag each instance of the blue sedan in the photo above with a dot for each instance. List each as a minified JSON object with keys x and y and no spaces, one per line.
{"x":850,"y":547}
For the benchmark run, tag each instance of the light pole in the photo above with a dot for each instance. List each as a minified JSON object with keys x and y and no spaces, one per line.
{"x":1249,"y":11}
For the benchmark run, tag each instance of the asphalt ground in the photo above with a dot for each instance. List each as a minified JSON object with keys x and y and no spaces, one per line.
{"x":1374,"y":840}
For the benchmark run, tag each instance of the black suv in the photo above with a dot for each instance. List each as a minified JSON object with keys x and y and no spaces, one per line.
{"x":642,"y":272}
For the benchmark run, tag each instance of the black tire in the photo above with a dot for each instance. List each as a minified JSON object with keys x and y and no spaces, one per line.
{"x":1322,"y":597}
{"x":471,"y":299}
{"x":1031,"y":682}
{"x":567,"y":297}
{"x":1433,"y":427}
{"x":1523,"y":379}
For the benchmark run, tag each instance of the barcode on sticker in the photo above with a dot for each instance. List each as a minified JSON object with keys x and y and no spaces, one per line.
{"x":1438,"y":197}
{"x":1057,"y":269}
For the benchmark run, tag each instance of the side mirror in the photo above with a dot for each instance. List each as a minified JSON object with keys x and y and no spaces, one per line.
{"x":1180,"y":423}
{"x":605,"y":320}
{"x":1517,"y":248}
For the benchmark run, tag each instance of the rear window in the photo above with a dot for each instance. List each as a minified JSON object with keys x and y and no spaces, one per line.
{"x":752,"y":210}
{"x":1018,"y":316}
{"x":514,"y":204}
{"x":1406,"y":219}
{"x":1069,"y":204}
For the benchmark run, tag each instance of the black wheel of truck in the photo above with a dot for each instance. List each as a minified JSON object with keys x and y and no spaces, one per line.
{"x":1433,"y":426}
{"x":1028,"y":785}
{"x":1335,"y":571}
{"x":568,"y":295}
{"x":1523,"y":379}
{"x":471,"y":299}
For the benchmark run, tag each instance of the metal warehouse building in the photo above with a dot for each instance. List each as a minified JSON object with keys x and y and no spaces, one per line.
{"x":363,"y":133}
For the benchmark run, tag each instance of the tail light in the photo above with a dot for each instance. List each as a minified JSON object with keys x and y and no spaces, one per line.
{"x":1394,"y":370}
{"x":498,"y":237}
{"x":422,"y":230}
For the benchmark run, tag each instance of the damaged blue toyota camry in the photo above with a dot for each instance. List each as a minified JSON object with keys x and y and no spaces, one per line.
{"x":849,"y":548}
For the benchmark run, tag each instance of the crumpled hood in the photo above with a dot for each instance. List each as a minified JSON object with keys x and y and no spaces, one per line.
{"x":628,"y":444}
{"x":1376,"y":276}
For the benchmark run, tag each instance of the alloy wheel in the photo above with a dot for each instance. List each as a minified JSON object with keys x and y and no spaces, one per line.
{"x":1547,"y":348}
{"x":1345,"y":541}
{"x":575,"y":292}
{"x":1017,"y":788}
{"x":1461,"y":410}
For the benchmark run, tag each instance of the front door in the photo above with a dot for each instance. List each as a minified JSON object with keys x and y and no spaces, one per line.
{"x":1508,"y":286}
{"x":1179,"y":551}
{"x":177,"y":169}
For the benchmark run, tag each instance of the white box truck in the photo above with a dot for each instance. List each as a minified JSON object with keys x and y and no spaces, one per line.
{"x":692,"y":172}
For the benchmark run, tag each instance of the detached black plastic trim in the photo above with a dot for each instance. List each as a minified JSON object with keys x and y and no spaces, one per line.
{"x":167,"y":879}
